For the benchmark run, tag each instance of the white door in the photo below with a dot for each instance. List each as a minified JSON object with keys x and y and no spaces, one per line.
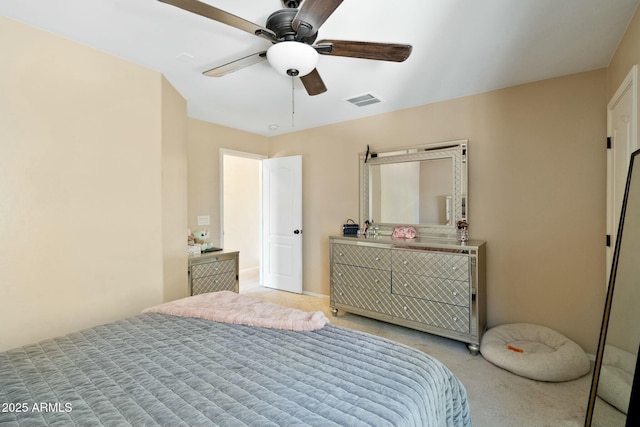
{"x":622,"y":116}
{"x":282,"y":223}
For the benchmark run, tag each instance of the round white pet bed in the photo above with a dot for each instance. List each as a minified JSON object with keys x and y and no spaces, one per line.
{"x":616,"y":377}
{"x":535,"y":352}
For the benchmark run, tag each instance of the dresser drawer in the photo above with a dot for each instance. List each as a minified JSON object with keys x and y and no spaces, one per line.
{"x":214,"y":283}
{"x":360,"y":277}
{"x":448,"y":291}
{"x":446,"y":316}
{"x":364,"y":298}
{"x":447,"y":266}
{"x":210,"y":268}
{"x":362,"y":256}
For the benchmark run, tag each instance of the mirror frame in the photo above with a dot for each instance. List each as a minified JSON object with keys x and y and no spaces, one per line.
{"x":633,"y":416}
{"x":456,"y":150}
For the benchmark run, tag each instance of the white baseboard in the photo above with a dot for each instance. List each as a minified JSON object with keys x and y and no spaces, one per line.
{"x":312,"y":294}
{"x":249,"y":271}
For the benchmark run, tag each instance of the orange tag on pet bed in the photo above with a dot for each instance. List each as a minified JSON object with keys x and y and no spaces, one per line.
{"x":517,"y":350}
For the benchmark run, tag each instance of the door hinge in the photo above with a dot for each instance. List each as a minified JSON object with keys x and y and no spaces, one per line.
{"x":608,"y":240}
{"x":608,"y":143}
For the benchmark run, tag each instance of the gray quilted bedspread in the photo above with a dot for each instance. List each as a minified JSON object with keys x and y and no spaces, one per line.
{"x":156,"y":369}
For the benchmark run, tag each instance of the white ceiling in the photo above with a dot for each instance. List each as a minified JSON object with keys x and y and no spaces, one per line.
{"x":460,"y":47}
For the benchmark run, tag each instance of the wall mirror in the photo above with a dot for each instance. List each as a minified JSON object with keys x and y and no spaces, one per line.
{"x":613,"y":400}
{"x":423,"y":186}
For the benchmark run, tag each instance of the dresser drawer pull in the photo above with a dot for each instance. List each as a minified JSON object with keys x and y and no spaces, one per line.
{"x":405,"y":262}
{"x":454,"y":268}
{"x":406,"y":285}
{"x":340,"y":254}
{"x":377,"y":258}
{"x":455,"y":319}
{"x":376,"y":280}
{"x":339,"y":274}
{"x":406,"y":308}
{"x":377,"y":301}
{"x":455,"y":293}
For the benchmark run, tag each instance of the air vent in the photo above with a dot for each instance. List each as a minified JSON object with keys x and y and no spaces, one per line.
{"x":184,"y":57}
{"x":362,"y":100}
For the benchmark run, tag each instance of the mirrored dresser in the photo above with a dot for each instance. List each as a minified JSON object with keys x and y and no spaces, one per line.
{"x":433,"y":281}
{"x":432,"y":285}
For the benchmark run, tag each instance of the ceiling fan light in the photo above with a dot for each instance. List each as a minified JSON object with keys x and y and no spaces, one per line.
{"x":292,"y":58}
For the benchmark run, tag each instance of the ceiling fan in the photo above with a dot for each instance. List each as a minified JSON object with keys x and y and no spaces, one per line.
{"x":293,"y":32}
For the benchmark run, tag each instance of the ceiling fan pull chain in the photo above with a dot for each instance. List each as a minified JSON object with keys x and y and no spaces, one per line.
{"x":293,"y":105}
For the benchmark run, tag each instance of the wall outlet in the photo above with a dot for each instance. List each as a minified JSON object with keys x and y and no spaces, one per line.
{"x":204,"y":220}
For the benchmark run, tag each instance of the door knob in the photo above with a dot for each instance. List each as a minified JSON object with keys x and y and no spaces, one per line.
{"x":297,"y":231}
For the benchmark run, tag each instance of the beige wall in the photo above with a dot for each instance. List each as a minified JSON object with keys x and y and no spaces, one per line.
{"x":81,"y":189}
{"x":174,"y":193}
{"x":627,"y":55}
{"x":204,"y":143}
{"x":537,"y":192}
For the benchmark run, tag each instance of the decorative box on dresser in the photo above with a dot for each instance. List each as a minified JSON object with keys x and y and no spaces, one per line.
{"x":432,"y":285}
{"x":213,"y":272}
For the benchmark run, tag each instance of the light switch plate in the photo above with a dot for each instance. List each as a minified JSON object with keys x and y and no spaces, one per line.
{"x":204,"y":220}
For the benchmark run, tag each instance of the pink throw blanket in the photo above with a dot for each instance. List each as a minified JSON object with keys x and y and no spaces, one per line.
{"x":229,"y":307}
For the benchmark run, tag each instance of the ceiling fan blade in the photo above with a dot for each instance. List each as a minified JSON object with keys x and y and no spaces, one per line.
{"x":312,"y":15}
{"x":220,"y":15}
{"x":365,"y":50}
{"x":236,"y":65}
{"x":313,"y":83}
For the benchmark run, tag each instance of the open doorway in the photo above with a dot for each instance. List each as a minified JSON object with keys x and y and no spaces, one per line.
{"x":240,"y":214}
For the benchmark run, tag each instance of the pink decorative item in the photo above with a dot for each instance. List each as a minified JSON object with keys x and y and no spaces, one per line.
{"x":404,"y":233}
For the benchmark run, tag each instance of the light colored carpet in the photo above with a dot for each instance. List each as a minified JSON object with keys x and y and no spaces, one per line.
{"x":497,"y":398}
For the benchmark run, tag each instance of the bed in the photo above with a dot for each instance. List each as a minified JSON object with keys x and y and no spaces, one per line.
{"x":162,"y":369}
